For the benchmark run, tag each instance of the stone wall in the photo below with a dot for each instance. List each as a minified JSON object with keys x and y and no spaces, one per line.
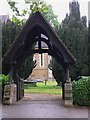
{"x":10,"y":94}
{"x":68,"y":94}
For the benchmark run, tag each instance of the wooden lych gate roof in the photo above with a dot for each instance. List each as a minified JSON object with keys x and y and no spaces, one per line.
{"x":36,"y":27}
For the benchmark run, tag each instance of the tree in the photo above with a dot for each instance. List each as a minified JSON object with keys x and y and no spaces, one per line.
{"x":74,"y":34}
{"x":34,"y":6}
{"x":10,"y":30}
{"x":27,"y":68}
{"x":74,"y":10}
{"x":57,"y":71}
{"x":89,"y":49}
{"x":73,"y":31}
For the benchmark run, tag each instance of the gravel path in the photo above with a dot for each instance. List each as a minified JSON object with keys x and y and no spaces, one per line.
{"x":41,"y":97}
{"x":42,"y":106}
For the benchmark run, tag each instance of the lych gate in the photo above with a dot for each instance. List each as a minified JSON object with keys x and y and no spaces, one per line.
{"x":33,"y":31}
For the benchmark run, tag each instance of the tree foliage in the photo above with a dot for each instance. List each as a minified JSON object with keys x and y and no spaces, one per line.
{"x":27,"y":68}
{"x":57,"y":71}
{"x":74,"y":33}
{"x":10,"y":30}
{"x":33,"y":7}
{"x":89,"y":49}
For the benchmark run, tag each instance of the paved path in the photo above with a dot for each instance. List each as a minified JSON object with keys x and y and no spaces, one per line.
{"x":43,"y":106}
{"x":0,"y":111}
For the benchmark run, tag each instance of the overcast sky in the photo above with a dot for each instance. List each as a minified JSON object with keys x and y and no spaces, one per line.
{"x":89,"y":10}
{"x":60,"y":7}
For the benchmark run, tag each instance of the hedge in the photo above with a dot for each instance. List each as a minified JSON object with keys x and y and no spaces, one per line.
{"x":81,"y":91}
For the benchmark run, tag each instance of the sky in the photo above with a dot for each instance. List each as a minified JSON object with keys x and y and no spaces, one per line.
{"x":60,"y":7}
{"x":89,"y":10}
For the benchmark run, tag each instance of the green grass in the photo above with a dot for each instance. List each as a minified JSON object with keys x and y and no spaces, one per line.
{"x":50,"y":88}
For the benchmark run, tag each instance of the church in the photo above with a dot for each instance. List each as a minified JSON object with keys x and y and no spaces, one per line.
{"x":41,"y":71}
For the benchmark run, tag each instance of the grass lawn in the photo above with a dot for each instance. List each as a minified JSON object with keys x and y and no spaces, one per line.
{"x":50,"y":88}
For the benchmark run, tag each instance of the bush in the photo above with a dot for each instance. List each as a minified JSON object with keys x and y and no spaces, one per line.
{"x":81,"y":91}
{"x":4,"y":79}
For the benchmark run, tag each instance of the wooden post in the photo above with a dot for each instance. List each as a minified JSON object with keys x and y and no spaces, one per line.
{"x":67,"y":74}
{"x":16,"y":81}
{"x":66,"y":79}
{"x":63,"y":93}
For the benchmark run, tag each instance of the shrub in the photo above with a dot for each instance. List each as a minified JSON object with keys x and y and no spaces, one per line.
{"x":81,"y":91}
{"x":3,"y":79}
